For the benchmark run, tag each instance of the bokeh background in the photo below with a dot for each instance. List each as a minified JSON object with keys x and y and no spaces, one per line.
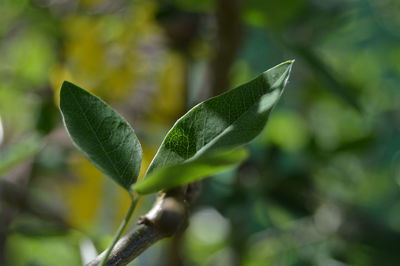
{"x":321,"y":186}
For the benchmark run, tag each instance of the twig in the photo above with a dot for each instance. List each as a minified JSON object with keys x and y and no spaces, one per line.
{"x":120,"y":230}
{"x":167,"y":217}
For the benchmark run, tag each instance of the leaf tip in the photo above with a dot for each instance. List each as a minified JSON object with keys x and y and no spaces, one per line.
{"x":278,"y":76}
{"x":288,"y":64}
{"x":66,"y":85}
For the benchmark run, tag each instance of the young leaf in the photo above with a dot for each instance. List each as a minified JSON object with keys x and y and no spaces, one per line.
{"x":226,"y":121}
{"x":102,"y":134}
{"x":190,"y":171}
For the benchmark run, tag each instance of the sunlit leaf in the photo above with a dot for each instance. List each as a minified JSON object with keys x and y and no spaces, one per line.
{"x":190,"y":171}
{"x":226,"y":121}
{"x":102,"y":134}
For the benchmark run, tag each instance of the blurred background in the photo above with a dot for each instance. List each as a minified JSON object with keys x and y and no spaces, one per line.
{"x":321,"y":186}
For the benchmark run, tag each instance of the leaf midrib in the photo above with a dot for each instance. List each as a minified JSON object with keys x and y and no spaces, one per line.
{"x":201,"y":150}
{"x":200,"y":105}
{"x":239,"y":117}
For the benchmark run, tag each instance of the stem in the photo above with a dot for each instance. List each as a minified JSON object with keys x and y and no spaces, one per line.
{"x":167,"y":217}
{"x":120,"y":229}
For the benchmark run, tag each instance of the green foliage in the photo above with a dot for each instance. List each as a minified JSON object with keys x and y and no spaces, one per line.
{"x":198,"y":145}
{"x":275,"y":14}
{"x":190,"y":171}
{"x":18,"y":153}
{"x":61,"y":250}
{"x":226,"y":121}
{"x":321,"y":163}
{"x":102,"y":134}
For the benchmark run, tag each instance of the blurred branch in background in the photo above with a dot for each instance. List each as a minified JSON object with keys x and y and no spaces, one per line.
{"x":15,"y":199}
{"x":227,"y":43}
{"x":11,"y":202}
{"x":344,"y":91}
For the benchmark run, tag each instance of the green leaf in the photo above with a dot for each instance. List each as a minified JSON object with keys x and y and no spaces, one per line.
{"x":103,"y":135}
{"x":226,"y":121}
{"x":190,"y":171}
{"x":19,"y":152}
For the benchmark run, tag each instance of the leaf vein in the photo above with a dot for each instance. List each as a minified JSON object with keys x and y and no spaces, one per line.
{"x":94,"y":132}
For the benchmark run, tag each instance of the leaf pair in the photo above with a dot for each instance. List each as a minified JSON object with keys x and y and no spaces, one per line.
{"x":198,"y":145}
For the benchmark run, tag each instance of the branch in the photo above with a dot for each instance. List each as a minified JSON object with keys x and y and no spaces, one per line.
{"x":17,"y":199}
{"x":167,"y":217}
{"x":229,"y":36}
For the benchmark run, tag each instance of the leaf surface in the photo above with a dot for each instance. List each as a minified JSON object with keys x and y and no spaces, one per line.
{"x":190,"y":171}
{"x":225,"y":121}
{"x":103,"y":135}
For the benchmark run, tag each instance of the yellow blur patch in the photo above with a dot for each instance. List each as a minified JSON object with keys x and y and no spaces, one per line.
{"x":148,"y":154}
{"x":84,"y":197}
{"x":122,"y":203}
{"x":83,"y":194}
{"x":106,"y":53}
{"x":57,"y":77}
{"x":169,"y":103}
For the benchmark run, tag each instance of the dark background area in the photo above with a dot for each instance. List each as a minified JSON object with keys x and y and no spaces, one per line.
{"x":321,"y":186}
